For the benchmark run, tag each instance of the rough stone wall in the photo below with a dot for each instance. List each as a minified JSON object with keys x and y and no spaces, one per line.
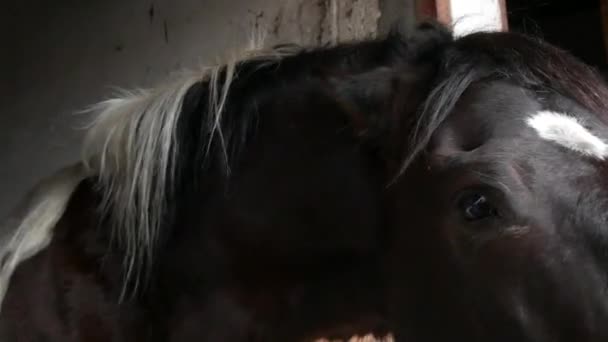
{"x":61,"y":56}
{"x":319,"y":21}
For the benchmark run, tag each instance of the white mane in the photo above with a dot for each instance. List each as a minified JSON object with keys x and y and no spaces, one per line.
{"x":132,"y":148}
{"x":30,"y":228}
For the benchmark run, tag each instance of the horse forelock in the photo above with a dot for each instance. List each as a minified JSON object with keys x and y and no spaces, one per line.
{"x":524,"y":60}
{"x":133,"y":144}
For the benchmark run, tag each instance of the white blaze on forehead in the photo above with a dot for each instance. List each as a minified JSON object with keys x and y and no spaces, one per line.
{"x":567,"y":131}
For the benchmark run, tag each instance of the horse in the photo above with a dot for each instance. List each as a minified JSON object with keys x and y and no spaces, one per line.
{"x":425,"y":185}
{"x":499,"y":213}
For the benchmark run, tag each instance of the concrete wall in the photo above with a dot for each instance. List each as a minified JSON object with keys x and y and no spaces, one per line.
{"x":60,"y":56}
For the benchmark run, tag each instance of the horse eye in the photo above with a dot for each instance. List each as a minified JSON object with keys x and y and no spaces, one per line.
{"x":476,"y":207}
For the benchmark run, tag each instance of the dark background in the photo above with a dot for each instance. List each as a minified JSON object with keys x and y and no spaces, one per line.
{"x":574,"y":25}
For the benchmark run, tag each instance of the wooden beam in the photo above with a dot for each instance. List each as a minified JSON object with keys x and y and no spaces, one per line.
{"x":504,"y":15}
{"x":436,"y":9}
{"x":444,"y":11}
{"x":426,"y":9}
{"x":604,"y":15}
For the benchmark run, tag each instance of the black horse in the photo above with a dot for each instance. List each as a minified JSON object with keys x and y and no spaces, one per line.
{"x":436,"y":188}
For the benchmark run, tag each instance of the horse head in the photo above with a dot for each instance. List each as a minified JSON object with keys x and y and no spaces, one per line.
{"x":500,"y":209}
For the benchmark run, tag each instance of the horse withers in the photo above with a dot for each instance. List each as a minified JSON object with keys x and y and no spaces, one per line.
{"x":437,"y":188}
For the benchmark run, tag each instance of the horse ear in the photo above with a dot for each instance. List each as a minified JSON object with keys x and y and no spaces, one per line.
{"x":365,"y":98}
{"x":407,"y":66}
{"x":422,"y":45}
{"x":383,"y":97}
{"x":381,"y":103}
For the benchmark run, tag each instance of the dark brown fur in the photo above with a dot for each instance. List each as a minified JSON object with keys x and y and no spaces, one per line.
{"x":312,"y":233}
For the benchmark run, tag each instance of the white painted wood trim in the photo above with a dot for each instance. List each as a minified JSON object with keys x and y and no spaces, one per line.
{"x":469,"y":16}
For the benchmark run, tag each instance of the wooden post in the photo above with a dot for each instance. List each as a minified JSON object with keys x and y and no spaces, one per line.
{"x":504,"y":15}
{"x":444,"y":11}
{"x":604,"y":15}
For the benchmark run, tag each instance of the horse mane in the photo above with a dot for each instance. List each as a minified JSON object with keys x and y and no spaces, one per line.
{"x":29,"y":228}
{"x":525,"y":60}
{"x":136,"y":145}
{"x":133,"y":144}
